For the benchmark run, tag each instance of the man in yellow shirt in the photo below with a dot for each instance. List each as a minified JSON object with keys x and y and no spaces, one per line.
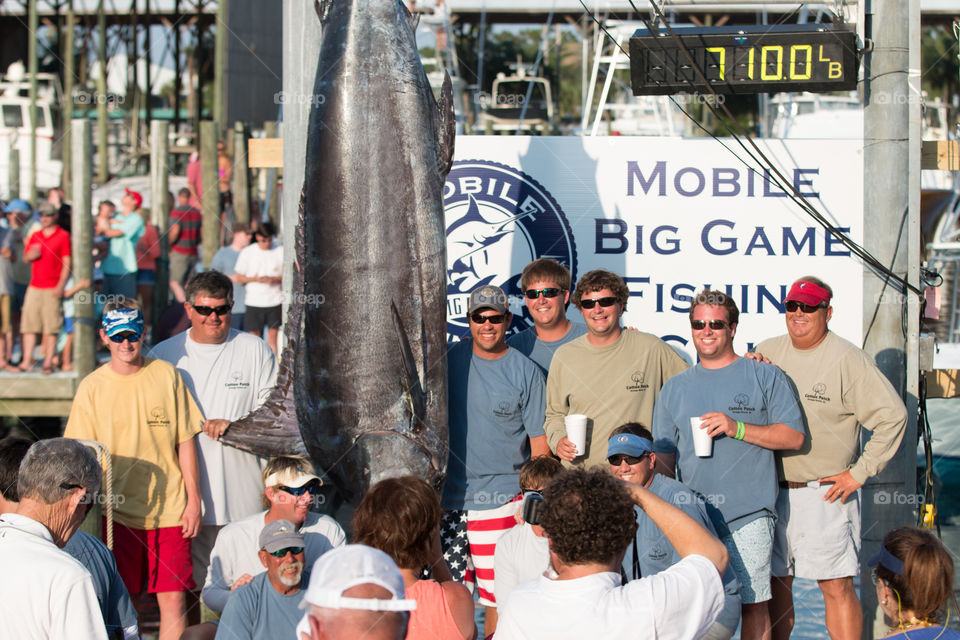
{"x":140,"y":409}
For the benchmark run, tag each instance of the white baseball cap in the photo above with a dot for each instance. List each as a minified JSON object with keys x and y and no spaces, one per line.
{"x":354,"y":564}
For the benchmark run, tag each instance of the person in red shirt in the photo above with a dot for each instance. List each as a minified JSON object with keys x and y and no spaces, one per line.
{"x":48,"y":253}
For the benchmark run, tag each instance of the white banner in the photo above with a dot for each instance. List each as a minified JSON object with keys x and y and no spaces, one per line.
{"x":670,"y":215}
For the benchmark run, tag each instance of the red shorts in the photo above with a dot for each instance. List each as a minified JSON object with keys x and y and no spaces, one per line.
{"x":156,"y":558}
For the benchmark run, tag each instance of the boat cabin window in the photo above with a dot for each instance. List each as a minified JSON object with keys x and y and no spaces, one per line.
{"x":12,"y":117}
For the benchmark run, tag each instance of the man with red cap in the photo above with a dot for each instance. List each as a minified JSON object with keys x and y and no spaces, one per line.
{"x":120,"y":264}
{"x":818,"y":508}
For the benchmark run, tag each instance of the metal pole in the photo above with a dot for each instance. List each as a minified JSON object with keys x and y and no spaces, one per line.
{"x":34,"y":26}
{"x":160,"y":211}
{"x":273,"y":202}
{"x":102,"y":152}
{"x":891,"y":198}
{"x":148,"y":87}
{"x":210,"y":197}
{"x":241,"y":175}
{"x":85,"y":322}
{"x":133,"y":89}
{"x":67,"y":104}
{"x":176,"y":67}
{"x":198,"y":70}
{"x":220,"y":66}
{"x":13,"y":174}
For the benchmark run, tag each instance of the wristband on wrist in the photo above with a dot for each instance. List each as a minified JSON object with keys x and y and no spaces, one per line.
{"x":741,"y":429}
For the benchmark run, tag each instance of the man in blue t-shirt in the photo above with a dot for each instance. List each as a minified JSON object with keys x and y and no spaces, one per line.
{"x":546,"y":286}
{"x":749,"y":410}
{"x":496,"y":403}
{"x":269,"y":605}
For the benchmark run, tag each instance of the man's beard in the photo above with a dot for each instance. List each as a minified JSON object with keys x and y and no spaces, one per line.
{"x":290,"y":581}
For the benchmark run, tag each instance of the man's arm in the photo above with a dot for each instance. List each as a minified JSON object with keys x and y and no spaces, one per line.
{"x":772,"y":436}
{"x":687,"y":536}
{"x":187,"y":458}
{"x":174,"y":233}
{"x":64,"y":276}
{"x":539,"y":447}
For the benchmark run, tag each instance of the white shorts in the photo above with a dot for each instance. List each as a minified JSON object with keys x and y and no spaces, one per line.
{"x":816,"y":539}
{"x":750,"y":548}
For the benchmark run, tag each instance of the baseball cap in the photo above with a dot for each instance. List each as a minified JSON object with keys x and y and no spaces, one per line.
{"x":808,"y":293}
{"x":628,"y":444}
{"x":296,"y":477}
{"x":348,"y":566}
{"x":488,"y":297}
{"x":120,"y":320}
{"x":17,"y":205}
{"x":280,"y":534}
{"x":137,"y":198}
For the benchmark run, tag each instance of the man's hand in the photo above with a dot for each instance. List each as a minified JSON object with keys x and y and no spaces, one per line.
{"x":717,"y":424}
{"x":242,"y":580}
{"x":566,"y":449}
{"x":759,"y":357}
{"x":215,"y":428}
{"x":190,"y":521}
{"x":843,"y":486}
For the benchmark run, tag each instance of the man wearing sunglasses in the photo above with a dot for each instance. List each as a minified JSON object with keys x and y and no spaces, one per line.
{"x":229,"y":373}
{"x":141,"y":410}
{"x":290,"y":490}
{"x":546,"y":292}
{"x":610,"y":375}
{"x":495,"y":409}
{"x":269,"y":605}
{"x":841,"y":390}
{"x":631,"y":458}
{"x":749,"y":409}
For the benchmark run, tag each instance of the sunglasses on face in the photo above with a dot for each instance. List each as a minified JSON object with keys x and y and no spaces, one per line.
{"x":221,"y":311}
{"x":716,"y":325}
{"x":551,"y":292}
{"x":590,"y":303}
{"x":129,"y":336}
{"x":281,"y":553}
{"x":793,"y":305}
{"x":299,"y":491}
{"x":47,"y":215}
{"x":497,"y":319}
{"x":619,"y":459}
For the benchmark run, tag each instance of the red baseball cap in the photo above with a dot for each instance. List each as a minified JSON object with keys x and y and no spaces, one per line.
{"x":808,"y":293}
{"x":136,"y":197}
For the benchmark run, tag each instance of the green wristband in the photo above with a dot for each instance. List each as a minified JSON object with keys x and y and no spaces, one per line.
{"x":741,"y":429}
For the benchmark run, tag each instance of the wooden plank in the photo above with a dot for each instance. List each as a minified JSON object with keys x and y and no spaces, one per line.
{"x":940,"y":154}
{"x":59,"y":386}
{"x":264,"y":153}
{"x":23,"y":408}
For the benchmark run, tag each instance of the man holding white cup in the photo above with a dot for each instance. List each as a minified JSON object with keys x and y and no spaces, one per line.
{"x":749,"y":409}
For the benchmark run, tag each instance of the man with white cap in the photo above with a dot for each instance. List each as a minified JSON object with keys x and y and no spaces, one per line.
{"x":496,"y":404}
{"x":290,"y":488}
{"x":356,"y":592}
{"x":269,"y":606}
{"x":818,"y":525}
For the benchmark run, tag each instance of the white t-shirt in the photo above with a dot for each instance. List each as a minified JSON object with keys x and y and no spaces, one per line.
{"x":45,"y":592}
{"x":228,"y":380}
{"x":254,"y":262}
{"x":677,"y":604}
{"x":521,"y":555}
{"x":235,"y":552}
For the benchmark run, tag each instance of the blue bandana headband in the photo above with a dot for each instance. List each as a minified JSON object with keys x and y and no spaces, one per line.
{"x":629,"y":444}
{"x":122,"y":320}
{"x":888,"y":560}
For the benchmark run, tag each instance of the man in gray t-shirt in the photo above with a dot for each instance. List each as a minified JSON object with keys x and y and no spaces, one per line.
{"x":546,"y":286}
{"x":496,"y":403}
{"x":749,"y":410}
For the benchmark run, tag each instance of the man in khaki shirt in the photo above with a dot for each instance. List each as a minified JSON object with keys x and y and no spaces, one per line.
{"x":841,"y":390}
{"x":610,"y":375}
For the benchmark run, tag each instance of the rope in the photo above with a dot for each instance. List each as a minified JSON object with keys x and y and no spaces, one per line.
{"x":106,"y":463}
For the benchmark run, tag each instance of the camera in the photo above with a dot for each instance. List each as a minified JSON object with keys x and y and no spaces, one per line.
{"x":532,"y":505}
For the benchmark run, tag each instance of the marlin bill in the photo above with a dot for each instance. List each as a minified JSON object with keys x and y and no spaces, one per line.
{"x":363,"y":374}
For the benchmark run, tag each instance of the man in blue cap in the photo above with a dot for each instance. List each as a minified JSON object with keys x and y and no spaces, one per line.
{"x":141,"y":410}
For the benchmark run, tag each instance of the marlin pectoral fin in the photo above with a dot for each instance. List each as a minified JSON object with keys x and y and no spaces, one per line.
{"x":412,"y":382}
{"x":413,"y":19}
{"x":446,"y":127}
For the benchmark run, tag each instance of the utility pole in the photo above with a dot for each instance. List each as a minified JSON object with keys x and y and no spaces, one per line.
{"x":67,"y":106}
{"x":891,"y":169}
{"x":220,"y":67}
{"x":34,"y":26}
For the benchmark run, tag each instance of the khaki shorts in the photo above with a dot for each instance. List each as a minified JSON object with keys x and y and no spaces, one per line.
{"x":5,"y":325}
{"x":42,"y":312}
{"x":181,"y":267}
{"x":816,"y":539}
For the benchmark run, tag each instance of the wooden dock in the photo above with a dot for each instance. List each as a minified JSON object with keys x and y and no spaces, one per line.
{"x":35,"y":394}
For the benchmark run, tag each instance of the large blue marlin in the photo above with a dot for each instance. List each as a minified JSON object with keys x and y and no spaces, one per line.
{"x":363,"y":375}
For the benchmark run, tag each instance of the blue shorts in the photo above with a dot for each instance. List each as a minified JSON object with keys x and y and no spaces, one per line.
{"x":68,"y":325}
{"x":146,"y":277}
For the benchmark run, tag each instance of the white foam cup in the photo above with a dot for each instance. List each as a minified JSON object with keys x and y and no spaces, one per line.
{"x":702,"y":442}
{"x":576,"y":424}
